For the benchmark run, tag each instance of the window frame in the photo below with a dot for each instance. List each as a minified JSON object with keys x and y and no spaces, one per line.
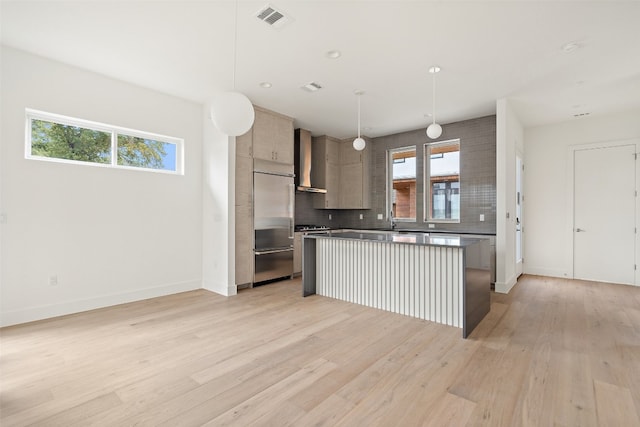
{"x":32,"y":114}
{"x":390,"y":164}
{"x":427,"y":196}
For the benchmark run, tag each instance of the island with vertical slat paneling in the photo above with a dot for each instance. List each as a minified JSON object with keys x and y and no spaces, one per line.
{"x":440,"y":279}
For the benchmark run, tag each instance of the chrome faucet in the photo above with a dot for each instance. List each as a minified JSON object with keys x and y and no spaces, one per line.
{"x":392,"y":220}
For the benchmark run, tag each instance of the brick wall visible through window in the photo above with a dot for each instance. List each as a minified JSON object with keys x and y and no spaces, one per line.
{"x":442,"y":181}
{"x":402,"y":180}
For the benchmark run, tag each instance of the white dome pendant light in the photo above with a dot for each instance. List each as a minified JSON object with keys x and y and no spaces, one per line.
{"x":434,"y":130}
{"x":359,"y":143}
{"x":232,"y":112}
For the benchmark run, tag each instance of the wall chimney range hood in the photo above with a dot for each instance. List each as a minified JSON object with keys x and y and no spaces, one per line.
{"x":302,"y":162}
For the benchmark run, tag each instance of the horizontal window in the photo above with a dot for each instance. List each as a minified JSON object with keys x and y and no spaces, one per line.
{"x":66,"y":139}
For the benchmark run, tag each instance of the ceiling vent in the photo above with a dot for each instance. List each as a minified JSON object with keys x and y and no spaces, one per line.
{"x":273,"y":17}
{"x":311,"y":87}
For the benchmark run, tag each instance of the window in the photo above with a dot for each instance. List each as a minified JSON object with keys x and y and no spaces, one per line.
{"x":401,"y":197}
{"x":442,"y":181}
{"x":64,"y":139}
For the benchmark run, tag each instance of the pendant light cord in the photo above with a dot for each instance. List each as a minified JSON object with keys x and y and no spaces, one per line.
{"x":359,"y":116}
{"x":235,"y":47}
{"x":433,"y":113}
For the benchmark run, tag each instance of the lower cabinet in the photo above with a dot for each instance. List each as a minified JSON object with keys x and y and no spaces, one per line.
{"x":297,"y":253}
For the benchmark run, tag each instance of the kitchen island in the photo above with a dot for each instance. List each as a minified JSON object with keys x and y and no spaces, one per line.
{"x":440,"y":279}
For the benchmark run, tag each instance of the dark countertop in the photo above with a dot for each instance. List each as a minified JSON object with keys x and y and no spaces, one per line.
{"x":429,"y":230}
{"x":419,"y":238}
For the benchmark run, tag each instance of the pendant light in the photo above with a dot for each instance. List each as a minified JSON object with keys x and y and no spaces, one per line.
{"x":359,"y":143}
{"x":232,"y":112}
{"x":434,"y":130}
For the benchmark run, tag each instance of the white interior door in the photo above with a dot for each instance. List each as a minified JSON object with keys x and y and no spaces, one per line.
{"x":604,"y":214}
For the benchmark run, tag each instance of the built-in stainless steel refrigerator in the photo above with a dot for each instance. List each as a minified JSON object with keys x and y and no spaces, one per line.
{"x":273,"y":207}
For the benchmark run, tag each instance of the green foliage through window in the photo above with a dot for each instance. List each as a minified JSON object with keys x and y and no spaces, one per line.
{"x":141,"y":152}
{"x":57,"y":137}
{"x":70,"y":142}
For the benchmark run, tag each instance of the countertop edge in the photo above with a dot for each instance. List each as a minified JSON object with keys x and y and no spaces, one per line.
{"x":383,"y":238}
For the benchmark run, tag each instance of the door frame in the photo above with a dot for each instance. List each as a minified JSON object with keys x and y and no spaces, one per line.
{"x":519,"y":268}
{"x":571,"y":197}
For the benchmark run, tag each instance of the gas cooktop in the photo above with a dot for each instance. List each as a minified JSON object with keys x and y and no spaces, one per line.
{"x":310,"y":227}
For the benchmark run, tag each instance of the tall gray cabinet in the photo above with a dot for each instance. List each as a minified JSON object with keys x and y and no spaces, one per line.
{"x":244,"y":208}
{"x":270,"y":138}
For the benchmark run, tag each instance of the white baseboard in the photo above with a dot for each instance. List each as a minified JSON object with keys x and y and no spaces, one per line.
{"x":223,"y":289}
{"x":549,"y":272}
{"x":30,"y":314}
{"x":505,"y":287}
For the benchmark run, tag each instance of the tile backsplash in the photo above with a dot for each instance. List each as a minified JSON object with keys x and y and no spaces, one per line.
{"x":306,"y":214}
{"x":477,"y":181}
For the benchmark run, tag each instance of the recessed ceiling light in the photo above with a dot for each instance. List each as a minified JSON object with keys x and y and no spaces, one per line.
{"x":570,"y":47}
{"x":333,"y":54}
{"x":311,"y":87}
{"x":435,"y":69}
{"x":265,"y":85}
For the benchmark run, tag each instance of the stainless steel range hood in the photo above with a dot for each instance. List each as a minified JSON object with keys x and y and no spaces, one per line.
{"x":302,"y":162}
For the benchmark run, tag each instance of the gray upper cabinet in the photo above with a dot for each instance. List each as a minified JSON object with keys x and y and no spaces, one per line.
{"x":272,"y":136}
{"x":349,"y":155}
{"x":325,"y":171}
{"x":351,"y":194}
{"x":354,"y":176}
{"x":343,"y":171}
{"x":244,"y":144}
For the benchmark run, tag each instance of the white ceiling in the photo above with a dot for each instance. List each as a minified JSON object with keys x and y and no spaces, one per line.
{"x":487,"y":50}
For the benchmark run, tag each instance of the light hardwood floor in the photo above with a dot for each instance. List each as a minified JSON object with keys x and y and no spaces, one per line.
{"x":552,"y":352}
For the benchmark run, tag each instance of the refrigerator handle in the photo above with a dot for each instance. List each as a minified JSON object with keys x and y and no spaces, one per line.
{"x":292,"y":189}
{"x":273,"y":251}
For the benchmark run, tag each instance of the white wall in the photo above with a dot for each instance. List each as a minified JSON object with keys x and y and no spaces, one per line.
{"x":218,"y":203}
{"x":548,"y":243}
{"x":509,"y":139}
{"x":110,"y":236}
